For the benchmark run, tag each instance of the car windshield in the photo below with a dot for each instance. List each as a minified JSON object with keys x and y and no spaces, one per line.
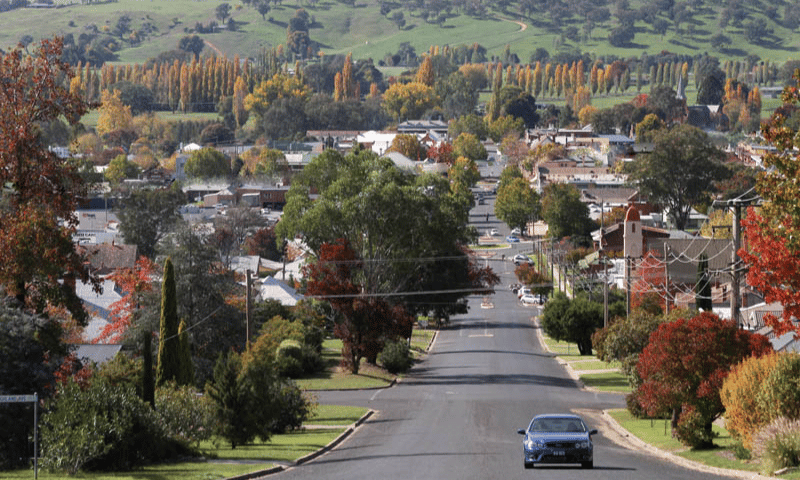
{"x":558,"y":424}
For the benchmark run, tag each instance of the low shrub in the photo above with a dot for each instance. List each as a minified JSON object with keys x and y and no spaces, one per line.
{"x":396,"y":357}
{"x":778,"y":445}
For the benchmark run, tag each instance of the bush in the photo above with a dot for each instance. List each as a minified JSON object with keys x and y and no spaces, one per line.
{"x":293,"y":408}
{"x":288,"y":359}
{"x":186,"y":414}
{"x":758,"y":391}
{"x":103,"y":427}
{"x":778,"y":445}
{"x":311,"y":359}
{"x":396,"y":356}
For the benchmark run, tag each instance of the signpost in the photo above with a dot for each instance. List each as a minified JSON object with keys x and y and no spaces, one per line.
{"x":35,"y":400}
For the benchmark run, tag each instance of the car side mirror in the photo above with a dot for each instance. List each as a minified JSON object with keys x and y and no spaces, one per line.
{"x":593,"y":431}
{"x":521,"y":431}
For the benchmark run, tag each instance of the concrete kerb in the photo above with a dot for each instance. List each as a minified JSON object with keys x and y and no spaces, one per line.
{"x":279,"y":468}
{"x":335,"y":442}
{"x":619,"y":435}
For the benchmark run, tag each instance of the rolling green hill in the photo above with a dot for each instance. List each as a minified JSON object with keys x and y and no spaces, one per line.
{"x":361,"y":28}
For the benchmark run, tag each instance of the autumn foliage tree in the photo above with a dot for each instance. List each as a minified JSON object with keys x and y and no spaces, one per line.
{"x":683,"y":367}
{"x":133,"y":282}
{"x":771,"y":232}
{"x":40,"y":190}
{"x":366,"y":322}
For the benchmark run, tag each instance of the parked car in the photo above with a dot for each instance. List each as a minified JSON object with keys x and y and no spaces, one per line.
{"x":523,"y":291}
{"x":519,"y":259}
{"x":557,"y":438}
{"x":516,"y":231}
{"x":529,"y":300}
{"x":514,"y":287}
{"x":512,"y":239}
{"x":493,"y":232}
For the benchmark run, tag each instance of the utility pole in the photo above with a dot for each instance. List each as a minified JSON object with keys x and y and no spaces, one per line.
{"x":666,"y":280}
{"x":628,"y":286}
{"x":602,"y":257}
{"x":737,"y":234}
{"x":248,"y":309}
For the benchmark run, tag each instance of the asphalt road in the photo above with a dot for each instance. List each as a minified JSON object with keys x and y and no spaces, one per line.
{"x":456,"y":415}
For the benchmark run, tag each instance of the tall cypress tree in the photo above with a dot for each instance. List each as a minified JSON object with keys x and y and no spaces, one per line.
{"x":703,"y":287}
{"x":168,"y":340}
{"x":186,"y":372}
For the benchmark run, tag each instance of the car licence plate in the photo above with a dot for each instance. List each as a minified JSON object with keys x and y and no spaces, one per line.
{"x":558,"y":453}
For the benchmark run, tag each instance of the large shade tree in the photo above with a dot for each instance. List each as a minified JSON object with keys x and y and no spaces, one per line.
{"x":517,"y":203}
{"x":399,"y":225}
{"x":564,"y":213}
{"x":40,"y":191}
{"x":680,"y":171}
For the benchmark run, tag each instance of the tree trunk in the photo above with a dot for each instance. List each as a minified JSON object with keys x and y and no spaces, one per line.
{"x":676,"y":413}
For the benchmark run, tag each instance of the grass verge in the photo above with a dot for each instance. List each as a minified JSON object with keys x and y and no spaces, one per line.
{"x":607,"y":382}
{"x":658,"y":434}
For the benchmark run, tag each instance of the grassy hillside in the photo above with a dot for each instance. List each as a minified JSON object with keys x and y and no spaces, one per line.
{"x":362,"y":30}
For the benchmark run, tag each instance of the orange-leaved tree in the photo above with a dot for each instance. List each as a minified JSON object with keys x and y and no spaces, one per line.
{"x":40,"y":189}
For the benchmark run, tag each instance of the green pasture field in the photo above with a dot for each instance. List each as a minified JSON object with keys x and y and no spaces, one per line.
{"x":363,"y":31}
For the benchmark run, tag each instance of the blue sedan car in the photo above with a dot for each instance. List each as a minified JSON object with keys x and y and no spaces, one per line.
{"x":558,"y":438}
{"x":512,"y":239}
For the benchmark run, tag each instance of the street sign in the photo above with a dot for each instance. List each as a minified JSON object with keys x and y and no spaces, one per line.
{"x":35,"y":400}
{"x":17,"y":398}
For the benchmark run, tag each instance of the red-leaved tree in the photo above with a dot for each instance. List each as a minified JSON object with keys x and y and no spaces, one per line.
{"x":365,"y":322}
{"x":132,"y":282}
{"x":682,"y":369}
{"x":773,"y":231}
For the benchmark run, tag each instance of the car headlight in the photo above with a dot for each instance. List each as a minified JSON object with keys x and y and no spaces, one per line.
{"x":584,"y":444}
{"x":531,"y":444}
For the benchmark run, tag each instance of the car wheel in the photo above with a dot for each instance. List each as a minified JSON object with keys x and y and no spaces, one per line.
{"x":587,"y":464}
{"x":528,"y":466}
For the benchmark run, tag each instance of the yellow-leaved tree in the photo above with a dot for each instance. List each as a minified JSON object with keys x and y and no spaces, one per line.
{"x":114,"y":115}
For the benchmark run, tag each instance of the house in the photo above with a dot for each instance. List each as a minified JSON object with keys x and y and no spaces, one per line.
{"x":378,"y":142}
{"x":96,"y":227}
{"x":107,"y":258}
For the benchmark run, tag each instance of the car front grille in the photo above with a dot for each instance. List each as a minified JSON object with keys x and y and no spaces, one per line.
{"x":561,"y":444}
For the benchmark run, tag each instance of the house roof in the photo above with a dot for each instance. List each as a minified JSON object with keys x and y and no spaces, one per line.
{"x":97,"y":353}
{"x":272,"y":288}
{"x":241,"y":264}
{"x":106,"y":258}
